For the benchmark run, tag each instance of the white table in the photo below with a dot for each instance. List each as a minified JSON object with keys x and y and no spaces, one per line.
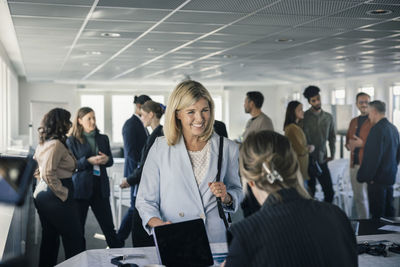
{"x":102,"y":257}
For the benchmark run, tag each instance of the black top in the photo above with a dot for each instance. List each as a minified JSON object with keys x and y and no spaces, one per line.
{"x":293,"y":232}
{"x":381,"y":154}
{"x":360,"y":122}
{"x":137,"y":173}
{"x":220,"y":128}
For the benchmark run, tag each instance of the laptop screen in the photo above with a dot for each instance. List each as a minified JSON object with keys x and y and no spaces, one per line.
{"x":183,"y":244}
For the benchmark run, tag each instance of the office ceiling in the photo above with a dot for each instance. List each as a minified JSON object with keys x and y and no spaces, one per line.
{"x":208,"y":40}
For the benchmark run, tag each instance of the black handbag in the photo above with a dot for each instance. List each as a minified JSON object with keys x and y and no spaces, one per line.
{"x":314,"y":170}
{"x":217,"y":179}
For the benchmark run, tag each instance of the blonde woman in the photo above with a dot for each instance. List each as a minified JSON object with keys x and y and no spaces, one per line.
{"x":290,"y":229}
{"x":179,"y":177}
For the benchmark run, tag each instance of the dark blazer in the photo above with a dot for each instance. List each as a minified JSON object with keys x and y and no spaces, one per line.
{"x":134,"y":179}
{"x":381,"y":154}
{"x":220,"y":128}
{"x":83,"y":177}
{"x":294,"y":232}
{"x":134,"y":135}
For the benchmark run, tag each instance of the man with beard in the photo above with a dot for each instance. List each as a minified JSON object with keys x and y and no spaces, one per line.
{"x":355,"y":140}
{"x":259,"y":121}
{"x":319,"y":128}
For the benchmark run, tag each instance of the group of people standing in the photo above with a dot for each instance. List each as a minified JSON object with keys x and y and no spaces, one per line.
{"x":172,"y":175}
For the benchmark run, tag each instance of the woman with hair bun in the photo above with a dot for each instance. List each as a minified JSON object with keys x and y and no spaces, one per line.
{"x":151,"y":114}
{"x":290,"y":229}
{"x":54,"y":192}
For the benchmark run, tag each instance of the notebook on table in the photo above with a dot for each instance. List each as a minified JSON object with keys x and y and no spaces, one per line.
{"x":183,"y":244}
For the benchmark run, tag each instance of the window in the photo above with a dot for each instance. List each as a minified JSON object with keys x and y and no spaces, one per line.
{"x":396,"y":106}
{"x":96,"y":102}
{"x":339,"y":97}
{"x":296,"y":96}
{"x":218,"y":107}
{"x":122,"y":109}
{"x":368,"y":90}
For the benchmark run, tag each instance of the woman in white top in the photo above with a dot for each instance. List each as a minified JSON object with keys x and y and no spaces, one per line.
{"x":179,"y":176}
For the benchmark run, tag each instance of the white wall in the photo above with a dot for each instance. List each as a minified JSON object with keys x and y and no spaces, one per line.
{"x":275,"y":99}
{"x":49,"y":92}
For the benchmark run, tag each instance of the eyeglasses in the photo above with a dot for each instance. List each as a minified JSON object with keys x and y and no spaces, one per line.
{"x":363,"y":102}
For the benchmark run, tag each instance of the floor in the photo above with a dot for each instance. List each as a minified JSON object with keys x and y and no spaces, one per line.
{"x":92,"y":227}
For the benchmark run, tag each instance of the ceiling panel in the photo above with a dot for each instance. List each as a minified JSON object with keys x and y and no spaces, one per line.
{"x":276,"y":39}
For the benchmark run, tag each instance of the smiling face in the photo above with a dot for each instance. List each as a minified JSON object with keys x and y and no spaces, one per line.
{"x":146,"y":118}
{"x":362,"y":104}
{"x":315,"y":102}
{"x":88,"y":122}
{"x":195,"y":118}
{"x":299,"y":112}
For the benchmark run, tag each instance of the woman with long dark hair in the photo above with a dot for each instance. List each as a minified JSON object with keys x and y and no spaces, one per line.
{"x":294,"y":113}
{"x":92,"y":187}
{"x":54,"y":192}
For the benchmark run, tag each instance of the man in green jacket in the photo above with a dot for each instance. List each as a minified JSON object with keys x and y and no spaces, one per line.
{"x":318,"y":126}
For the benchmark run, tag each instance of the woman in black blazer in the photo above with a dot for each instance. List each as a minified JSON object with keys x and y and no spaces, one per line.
{"x":151,"y":114}
{"x":92,"y":188}
{"x":290,"y":229}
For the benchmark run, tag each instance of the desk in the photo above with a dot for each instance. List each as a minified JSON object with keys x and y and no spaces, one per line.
{"x":102,"y":257}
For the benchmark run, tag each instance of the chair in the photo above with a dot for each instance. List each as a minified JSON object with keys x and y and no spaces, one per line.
{"x":118,"y":197}
{"x":337,"y":169}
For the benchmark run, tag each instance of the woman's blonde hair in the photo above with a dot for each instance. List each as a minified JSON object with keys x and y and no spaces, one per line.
{"x":263,"y":153}
{"x":77,"y":129}
{"x":184,"y":95}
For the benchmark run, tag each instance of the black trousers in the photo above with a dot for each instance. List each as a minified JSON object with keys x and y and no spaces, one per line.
{"x":380,"y":199}
{"x":140,"y":238}
{"x":326,"y":183}
{"x":58,"y":218}
{"x":102,"y":211}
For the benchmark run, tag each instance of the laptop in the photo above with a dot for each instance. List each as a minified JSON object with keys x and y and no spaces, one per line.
{"x":183,"y":244}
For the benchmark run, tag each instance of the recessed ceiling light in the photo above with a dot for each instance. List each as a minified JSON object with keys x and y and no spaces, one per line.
{"x":150,"y":49}
{"x":227,"y":56}
{"x":94,"y":53}
{"x":110,"y":34}
{"x":284,"y":40}
{"x":379,"y":12}
{"x":85,"y":64}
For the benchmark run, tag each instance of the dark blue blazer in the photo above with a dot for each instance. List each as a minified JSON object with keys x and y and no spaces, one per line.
{"x":83,"y":177}
{"x":137,"y":173}
{"x":135,"y":136}
{"x":381,"y":154}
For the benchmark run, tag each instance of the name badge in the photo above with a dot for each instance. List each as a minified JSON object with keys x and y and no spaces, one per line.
{"x":96,"y":170}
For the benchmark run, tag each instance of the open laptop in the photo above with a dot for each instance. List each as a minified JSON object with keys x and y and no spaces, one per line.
{"x":183,"y":244}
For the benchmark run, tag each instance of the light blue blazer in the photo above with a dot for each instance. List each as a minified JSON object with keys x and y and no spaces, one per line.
{"x":168,"y":189}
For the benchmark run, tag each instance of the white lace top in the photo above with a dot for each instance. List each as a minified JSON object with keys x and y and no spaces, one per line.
{"x":200,"y":161}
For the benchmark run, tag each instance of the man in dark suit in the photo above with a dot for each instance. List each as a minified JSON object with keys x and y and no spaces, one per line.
{"x":379,"y":165}
{"x":134,"y":135}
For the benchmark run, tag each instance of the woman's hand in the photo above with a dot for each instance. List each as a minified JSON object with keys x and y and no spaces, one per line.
{"x":219,"y":190}
{"x":103,"y":158}
{"x":94,"y":160}
{"x":124,"y":184}
{"x":154,"y":222}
